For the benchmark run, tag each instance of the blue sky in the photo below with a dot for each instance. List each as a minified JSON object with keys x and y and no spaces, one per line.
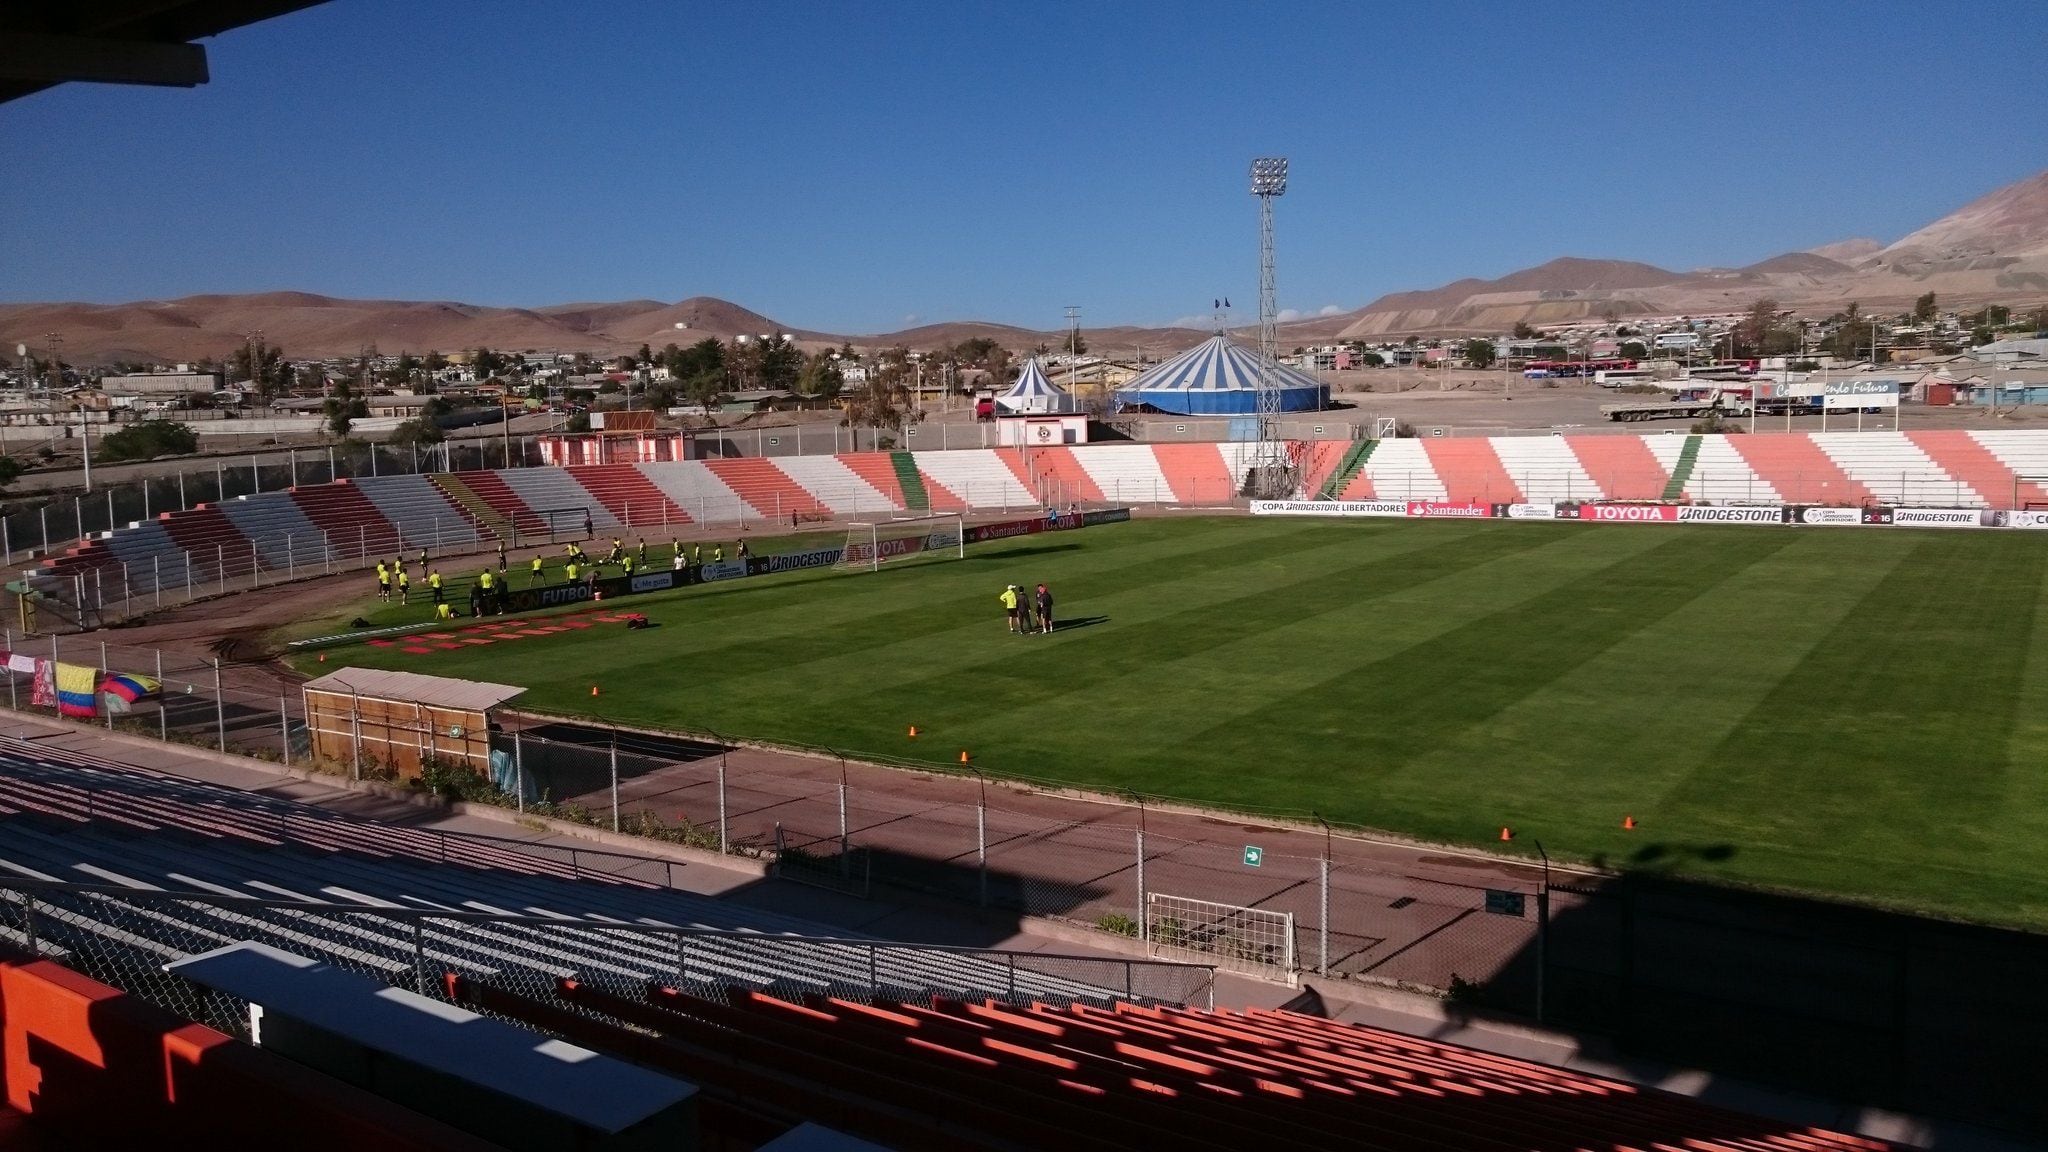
{"x":859,"y":167}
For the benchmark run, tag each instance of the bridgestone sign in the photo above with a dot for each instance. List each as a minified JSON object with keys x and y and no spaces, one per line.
{"x":1752,"y":514}
{"x":1698,"y":513}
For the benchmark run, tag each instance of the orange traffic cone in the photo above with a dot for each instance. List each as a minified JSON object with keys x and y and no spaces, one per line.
{"x":1628,"y":823}
{"x":913,"y":731}
{"x":323,"y":657}
{"x":593,"y":689}
{"x":963,"y":755}
{"x":1506,"y":833}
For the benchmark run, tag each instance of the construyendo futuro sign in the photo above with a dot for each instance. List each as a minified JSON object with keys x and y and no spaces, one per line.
{"x":1804,"y":515}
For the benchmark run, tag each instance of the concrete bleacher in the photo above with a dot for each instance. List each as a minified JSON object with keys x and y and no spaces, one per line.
{"x":552,"y":490}
{"x":422,"y":514}
{"x":1127,"y":473}
{"x":1894,"y":469}
{"x":942,"y":1072}
{"x":977,"y":476}
{"x":1545,"y":469}
{"x":1401,"y":470}
{"x":838,"y":488}
{"x":354,"y":889}
{"x":380,"y":515}
{"x":699,"y":491}
{"x":284,"y":536}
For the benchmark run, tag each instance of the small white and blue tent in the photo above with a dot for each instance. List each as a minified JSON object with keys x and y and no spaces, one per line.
{"x":1034,"y":395}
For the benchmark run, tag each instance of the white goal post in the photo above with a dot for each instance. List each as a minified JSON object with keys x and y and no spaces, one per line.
{"x":871,"y":544}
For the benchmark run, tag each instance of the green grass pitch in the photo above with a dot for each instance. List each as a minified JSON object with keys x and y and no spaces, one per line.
{"x":1861,"y":712}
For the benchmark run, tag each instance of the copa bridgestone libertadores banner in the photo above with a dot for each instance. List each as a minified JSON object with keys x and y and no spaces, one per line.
{"x":1801,"y":515}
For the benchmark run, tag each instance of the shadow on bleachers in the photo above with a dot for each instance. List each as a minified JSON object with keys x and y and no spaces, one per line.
{"x":1864,"y":1005}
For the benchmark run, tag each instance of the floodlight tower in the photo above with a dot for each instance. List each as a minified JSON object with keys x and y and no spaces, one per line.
{"x":1272,"y":474}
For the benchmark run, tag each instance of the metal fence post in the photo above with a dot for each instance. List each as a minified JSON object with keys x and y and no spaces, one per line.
{"x":1144,"y":933}
{"x":722,"y":847}
{"x":220,"y":708}
{"x":1323,"y":932}
{"x":419,"y":972}
{"x":615,"y":780}
{"x":1323,"y":906}
{"x":13,"y":693}
{"x":981,"y":837}
{"x":163,"y":701}
{"x":284,"y":727}
{"x":518,"y":772}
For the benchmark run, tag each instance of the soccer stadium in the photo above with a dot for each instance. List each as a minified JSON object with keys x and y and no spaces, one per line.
{"x":1502,"y":718}
{"x":1172,"y":751}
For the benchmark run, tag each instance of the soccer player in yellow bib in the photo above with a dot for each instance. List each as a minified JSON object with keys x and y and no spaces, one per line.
{"x":538,"y":575}
{"x":1010,"y":602}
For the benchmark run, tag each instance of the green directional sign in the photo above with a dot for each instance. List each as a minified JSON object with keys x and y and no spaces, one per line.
{"x":1254,"y":855}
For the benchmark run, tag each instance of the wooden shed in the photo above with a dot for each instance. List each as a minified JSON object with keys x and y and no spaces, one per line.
{"x":366,"y":717}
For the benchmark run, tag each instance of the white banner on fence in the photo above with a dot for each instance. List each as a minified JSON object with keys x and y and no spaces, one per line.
{"x":1329,"y":508}
{"x":1532,"y":511}
{"x":1837,"y":394}
{"x":2018,"y":519}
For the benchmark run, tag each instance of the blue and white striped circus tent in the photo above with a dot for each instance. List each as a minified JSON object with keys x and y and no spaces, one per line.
{"x":1035,"y":395}
{"x":1219,"y":377}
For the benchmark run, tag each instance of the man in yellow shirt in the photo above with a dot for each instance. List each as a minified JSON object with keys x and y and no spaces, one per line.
{"x":404,"y":586}
{"x":434,"y":584}
{"x":1010,"y":602}
{"x":538,"y":575}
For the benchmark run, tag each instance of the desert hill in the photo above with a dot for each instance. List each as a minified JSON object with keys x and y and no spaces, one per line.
{"x":1994,"y":249}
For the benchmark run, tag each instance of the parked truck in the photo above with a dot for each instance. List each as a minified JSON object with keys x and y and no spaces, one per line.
{"x":1684,"y":406}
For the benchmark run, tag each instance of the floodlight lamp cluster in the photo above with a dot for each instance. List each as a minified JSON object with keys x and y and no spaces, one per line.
{"x":1269,"y":176}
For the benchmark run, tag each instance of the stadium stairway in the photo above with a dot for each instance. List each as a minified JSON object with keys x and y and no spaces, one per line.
{"x":632,"y":497}
{"x":956,"y":1073}
{"x":1682,"y":468}
{"x":909,"y":481}
{"x":1797,"y":469}
{"x":1963,"y":456}
{"x":486,"y":518}
{"x":1719,"y":473}
{"x":1335,"y":485}
{"x":881,"y":472}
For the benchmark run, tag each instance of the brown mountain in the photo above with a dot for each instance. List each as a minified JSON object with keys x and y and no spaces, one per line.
{"x":1994,"y":249}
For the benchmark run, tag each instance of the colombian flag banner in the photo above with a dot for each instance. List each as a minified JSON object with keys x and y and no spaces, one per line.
{"x":76,"y":695}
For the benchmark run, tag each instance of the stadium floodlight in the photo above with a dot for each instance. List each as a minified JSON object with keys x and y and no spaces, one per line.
{"x":1269,"y":176}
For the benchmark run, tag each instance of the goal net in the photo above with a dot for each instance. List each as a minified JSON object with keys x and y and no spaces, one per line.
{"x":871,"y":544}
